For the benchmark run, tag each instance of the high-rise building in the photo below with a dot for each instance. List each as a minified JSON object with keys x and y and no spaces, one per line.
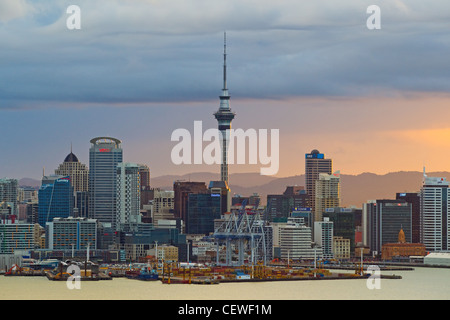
{"x":104,"y":156}
{"x":182,"y":189}
{"x":128,"y":197}
{"x":9,"y":193}
{"x":163,"y":202}
{"x":414,"y":199}
{"x":281,"y":206}
{"x":203,"y":209}
{"x":295,"y":241}
{"x":79,"y":178}
{"x":224,"y":117}
{"x":434,"y":214}
{"x":315,"y":163}
{"x":77,"y":171}
{"x":327,"y":193}
{"x":343,"y":223}
{"x":147,"y":192}
{"x":323,"y":237}
{"x":382,"y":220}
{"x":55,"y":199}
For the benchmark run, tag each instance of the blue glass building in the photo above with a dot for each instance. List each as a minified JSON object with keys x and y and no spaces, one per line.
{"x":55,"y":199}
{"x":203,"y":208}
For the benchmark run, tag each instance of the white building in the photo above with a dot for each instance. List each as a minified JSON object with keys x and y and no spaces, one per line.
{"x":128,"y":197}
{"x":295,"y":241}
{"x":323,"y":237}
{"x":434,"y":214}
{"x":9,"y":194}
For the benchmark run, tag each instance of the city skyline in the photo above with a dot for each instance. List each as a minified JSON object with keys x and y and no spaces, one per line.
{"x":372,"y":100}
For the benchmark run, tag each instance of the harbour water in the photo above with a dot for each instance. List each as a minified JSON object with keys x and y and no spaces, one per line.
{"x":419,"y":284}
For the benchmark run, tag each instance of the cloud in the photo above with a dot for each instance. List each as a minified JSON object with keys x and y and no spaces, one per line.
{"x":170,"y":51}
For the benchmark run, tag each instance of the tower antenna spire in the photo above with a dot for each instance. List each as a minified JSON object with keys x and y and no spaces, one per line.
{"x":225,"y":60}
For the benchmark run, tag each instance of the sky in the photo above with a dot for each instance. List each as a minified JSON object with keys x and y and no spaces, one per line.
{"x":373,"y":100}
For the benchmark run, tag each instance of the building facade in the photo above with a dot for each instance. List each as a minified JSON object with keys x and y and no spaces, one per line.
{"x":105,"y":154}
{"x":434,"y":209}
{"x":315,"y":163}
{"x":327,"y":194}
{"x":128,"y":198}
{"x":71,"y":233}
{"x":55,"y":199}
{"x":382,"y":220}
{"x":9,"y":194}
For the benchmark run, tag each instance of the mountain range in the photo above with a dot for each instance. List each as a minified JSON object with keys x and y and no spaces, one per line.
{"x":355,"y":189}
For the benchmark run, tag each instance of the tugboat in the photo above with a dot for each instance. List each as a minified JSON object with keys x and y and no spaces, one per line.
{"x":145,"y":273}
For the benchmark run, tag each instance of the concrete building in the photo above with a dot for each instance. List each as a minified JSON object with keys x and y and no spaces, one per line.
{"x":295,"y":241}
{"x":105,"y":154}
{"x":434,"y":214}
{"x":9,"y":194}
{"x":323,"y":237}
{"x":315,"y":163}
{"x":327,"y":193}
{"x":16,"y":236}
{"x":128,"y":198}
{"x":71,"y":233}
{"x":341,"y":248}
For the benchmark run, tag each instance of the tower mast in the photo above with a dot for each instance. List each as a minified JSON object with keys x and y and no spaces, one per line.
{"x":224,"y":117}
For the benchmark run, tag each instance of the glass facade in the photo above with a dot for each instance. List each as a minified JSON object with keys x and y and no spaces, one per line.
{"x":55,"y":200}
{"x":203,"y":208}
{"x":104,"y":155}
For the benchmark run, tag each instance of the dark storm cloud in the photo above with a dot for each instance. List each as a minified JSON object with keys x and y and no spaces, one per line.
{"x":158,"y":51}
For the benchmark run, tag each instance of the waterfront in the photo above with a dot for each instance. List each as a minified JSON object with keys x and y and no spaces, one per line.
{"x":419,"y":284}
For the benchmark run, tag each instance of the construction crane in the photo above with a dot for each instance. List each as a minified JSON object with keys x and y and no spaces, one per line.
{"x":242,"y":229}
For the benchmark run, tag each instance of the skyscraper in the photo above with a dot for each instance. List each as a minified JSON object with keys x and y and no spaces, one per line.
{"x":104,"y":156}
{"x":55,"y":199}
{"x":382,"y":221}
{"x":434,"y":213}
{"x":327,"y":193}
{"x":224,"y":117}
{"x":79,"y":178}
{"x":8,"y":194}
{"x":128,"y":198}
{"x":315,"y":163}
{"x":77,"y":171}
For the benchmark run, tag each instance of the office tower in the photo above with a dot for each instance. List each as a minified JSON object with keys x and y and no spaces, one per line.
{"x":281,"y":206}
{"x":128,"y":197}
{"x":105,"y":154}
{"x":77,"y":171}
{"x":224,"y":117}
{"x":203,"y":209}
{"x":9,"y":193}
{"x":55,"y":199}
{"x":79,"y":178}
{"x":414,"y":199}
{"x":434,"y":209}
{"x":295,"y":241}
{"x":315,"y":163}
{"x":163,"y":202}
{"x":182,"y":189}
{"x":146,"y":190}
{"x":323,"y":237}
{"x":221,"y":188}
{"x":71,"y":234}
{"x":343,"y":223}
{"x":327,"y":193}
{"x":382,"y":221}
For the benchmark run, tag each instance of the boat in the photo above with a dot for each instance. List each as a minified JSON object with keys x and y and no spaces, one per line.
{"x":144,"y":273}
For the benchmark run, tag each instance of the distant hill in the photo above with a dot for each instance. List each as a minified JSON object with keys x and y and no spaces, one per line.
{"x":355,"y":189}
